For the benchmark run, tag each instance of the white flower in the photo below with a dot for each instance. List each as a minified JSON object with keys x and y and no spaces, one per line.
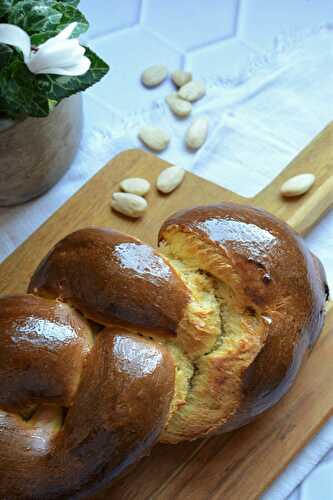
{"x":59,"y":55}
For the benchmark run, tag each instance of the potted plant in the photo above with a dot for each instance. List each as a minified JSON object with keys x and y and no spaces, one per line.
{"x":43,"y":68}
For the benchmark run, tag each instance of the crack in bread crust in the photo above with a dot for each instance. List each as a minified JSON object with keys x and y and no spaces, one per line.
{"x":218,"y":340}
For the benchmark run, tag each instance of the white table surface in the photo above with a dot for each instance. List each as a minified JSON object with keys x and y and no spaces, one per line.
{"x":208,"y":37}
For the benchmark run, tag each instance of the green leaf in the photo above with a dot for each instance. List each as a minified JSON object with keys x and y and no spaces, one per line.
{"x":19,"y":94}
{"x":57,"y":87}
{"x":5,"y":54}
{"x":75,"y":3}
{"x":52,"y":104}
{"x":69,"y":15}
{"x":40,"y":38}
{"x":7,"y":5}
{"x":43,"y":19}
{"x":3,"y":109}
{"x":35,"y":16}
{"x":4,"y":8}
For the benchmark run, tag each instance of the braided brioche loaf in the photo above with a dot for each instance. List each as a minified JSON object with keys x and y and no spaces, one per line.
{"x":117,"y":346}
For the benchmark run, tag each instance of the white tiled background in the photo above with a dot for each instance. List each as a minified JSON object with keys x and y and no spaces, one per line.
{"x":212,"y":38}
{"x":209,"y":37}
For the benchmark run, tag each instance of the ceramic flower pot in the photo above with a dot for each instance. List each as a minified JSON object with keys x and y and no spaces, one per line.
{"x":36,"y":152}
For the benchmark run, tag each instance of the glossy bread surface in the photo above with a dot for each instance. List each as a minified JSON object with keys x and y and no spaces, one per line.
{"x":43,"y":348}
{"x":106,"y":429}
{"x":270,"y":270}
{"x":112,"y":278}
{"x":84,"y":393}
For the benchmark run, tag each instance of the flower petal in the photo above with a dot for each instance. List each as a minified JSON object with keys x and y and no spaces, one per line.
{"x":62,"y":53}
{"x":67,"y":32}
{"x":78,"y":69}
{"x":13,"y":35}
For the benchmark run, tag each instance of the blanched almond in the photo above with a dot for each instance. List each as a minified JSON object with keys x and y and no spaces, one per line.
{"x":129,"y":204}
{"x":154,"y":75}
{"x":135,"y":185}
{"x":297,"y":185}
{"x":169,"y":179}
{"x":180,"y":77}
{"x":197,"y":133}
{"x":192,"y":91}
{"x":154,"y":138}
{"x":178,"y":106}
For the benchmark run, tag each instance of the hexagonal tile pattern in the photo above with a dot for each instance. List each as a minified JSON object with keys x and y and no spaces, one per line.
{"x":191,"y":23}
{"x":261,"y":21}
{"x":212,"y":38}
{"x":129,"y":52}
{"x":112,"y":15}
{"x":227,"y":59}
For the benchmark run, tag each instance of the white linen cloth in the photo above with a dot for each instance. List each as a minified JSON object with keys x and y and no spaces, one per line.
{"x":257,"y":125}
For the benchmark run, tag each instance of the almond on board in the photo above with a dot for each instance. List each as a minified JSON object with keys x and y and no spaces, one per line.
{"x":297,"y":185}
{"x":129,"y":204}
{"x":135,"y":185}
{"x":169,"y":179}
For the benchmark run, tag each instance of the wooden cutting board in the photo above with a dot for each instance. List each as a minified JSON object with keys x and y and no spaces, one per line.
{"x":239,"y":465}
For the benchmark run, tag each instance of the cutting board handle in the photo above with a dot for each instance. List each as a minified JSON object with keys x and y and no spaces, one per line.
{"x":304,"y":211}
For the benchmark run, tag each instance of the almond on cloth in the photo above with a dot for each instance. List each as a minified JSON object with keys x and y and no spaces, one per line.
{"x":154,"y":138}
{"x":197,"y":133}
{"x":154,"y":75}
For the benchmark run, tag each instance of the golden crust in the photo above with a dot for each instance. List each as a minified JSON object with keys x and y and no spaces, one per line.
{"x":107,"y":425}
{"x":273,"y":278}
{"x":232,"y":300}
{"x":43,"y":347}
{"x":112,"y":278}
{"x":215,"y":389}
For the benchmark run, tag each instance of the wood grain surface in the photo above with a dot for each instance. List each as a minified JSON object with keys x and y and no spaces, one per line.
{"x":238,"y":465}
